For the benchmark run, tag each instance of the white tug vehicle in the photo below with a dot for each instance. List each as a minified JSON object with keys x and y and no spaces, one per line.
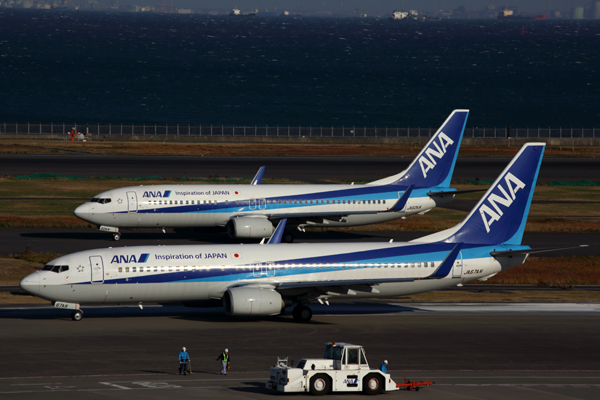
{"x":343,"y":368}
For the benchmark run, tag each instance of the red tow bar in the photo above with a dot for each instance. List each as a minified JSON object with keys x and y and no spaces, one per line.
{"x":408,"y":384}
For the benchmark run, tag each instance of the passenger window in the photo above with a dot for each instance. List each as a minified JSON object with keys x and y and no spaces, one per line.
{"x":126,"y":269}
{"x":419,"y":265}
{"x":187,"y":202}
{"x":141,"y":269}
{"x":133,"y":269}
{"x":120,"y":269}
{"x":412,"y":264}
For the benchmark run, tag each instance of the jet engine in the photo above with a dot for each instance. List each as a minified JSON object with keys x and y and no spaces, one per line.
{"x":246,"y":228}
{"x":252,"y":301}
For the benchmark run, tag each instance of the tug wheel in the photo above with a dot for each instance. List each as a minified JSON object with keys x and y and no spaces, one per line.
{"x":372,"y":384}
{"x":320,"y":384}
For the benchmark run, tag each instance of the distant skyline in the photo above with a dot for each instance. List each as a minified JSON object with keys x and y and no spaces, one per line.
{"x":367,"y":5}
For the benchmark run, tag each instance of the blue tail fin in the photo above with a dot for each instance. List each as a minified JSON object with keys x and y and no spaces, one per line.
{"x":501,"y":214}
{"x":435,"y":163}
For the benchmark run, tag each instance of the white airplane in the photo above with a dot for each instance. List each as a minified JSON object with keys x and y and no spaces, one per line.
{"x":264,"y":279}
{"x":248,"y":211}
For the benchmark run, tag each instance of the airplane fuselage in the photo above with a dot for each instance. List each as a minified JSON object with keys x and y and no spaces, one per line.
{"x":193,"y":273}
{"x":183,"y":206}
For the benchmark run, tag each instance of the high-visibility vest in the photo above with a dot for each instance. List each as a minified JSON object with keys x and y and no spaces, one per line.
{"x":225,"y":357}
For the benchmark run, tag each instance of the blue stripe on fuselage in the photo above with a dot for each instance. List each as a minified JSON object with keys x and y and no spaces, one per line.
{"x":222,"y":207}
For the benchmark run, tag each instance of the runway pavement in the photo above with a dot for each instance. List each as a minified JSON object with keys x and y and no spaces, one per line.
{"x":499,"y":352}
{"x":306,"y":169}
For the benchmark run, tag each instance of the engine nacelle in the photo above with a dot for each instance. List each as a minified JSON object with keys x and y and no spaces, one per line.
{"x":252,"y":301}
{"x":245,"y":227}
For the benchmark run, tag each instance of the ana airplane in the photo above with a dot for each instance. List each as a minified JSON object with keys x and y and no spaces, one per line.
{"x":248,"y":211}
{"x":264,"y":279}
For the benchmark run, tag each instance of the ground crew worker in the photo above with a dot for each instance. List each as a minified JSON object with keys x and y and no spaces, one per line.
{"x":224,"y":357}
{"x":383,"y":366}
{"x":184,"y":358}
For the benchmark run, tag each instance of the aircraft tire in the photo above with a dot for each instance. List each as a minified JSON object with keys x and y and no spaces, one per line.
{"x":372,"y":384}
{"x":320,"y":385}
{"x":116,"y":236}
{"x":76,"y":315}
{"x":302,"y":313}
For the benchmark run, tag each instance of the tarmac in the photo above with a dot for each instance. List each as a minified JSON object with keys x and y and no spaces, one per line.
{"x":503,"y":351}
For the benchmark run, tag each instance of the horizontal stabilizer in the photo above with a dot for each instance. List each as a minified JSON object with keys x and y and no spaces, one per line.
{"x":509,"y":253}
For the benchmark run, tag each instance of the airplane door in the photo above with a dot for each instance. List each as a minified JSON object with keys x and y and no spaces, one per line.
{"x":97,"y":269}
{"x":132,"y":202}
{"x":458,"y":266}
{"x":270,"y":269}
{"x":263,"y":269}
{"x":257,"y":270}
{"x":262,"y":204}
{"x":252,"y":204}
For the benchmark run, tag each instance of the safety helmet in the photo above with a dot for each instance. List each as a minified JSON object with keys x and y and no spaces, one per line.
{"x":183,"y":349}
{"x":226,"y":350}
{"x":385,"y":361}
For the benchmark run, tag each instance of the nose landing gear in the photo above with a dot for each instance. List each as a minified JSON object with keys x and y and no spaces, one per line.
{"x":77,"y":315}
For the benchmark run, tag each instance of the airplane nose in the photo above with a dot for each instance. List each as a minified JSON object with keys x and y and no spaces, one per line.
{"x":31,"y":283}
{"x":83,"y":211}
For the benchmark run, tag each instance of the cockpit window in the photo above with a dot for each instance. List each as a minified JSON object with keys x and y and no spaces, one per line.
{"x":55,"y":268}
{"x":100,"y":200}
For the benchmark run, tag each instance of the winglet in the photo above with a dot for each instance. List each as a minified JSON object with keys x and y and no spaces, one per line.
{"x":446,"y":265}
{"x":401,"y":203}
{"x":258,"y":177}
{"x":278,"y":234}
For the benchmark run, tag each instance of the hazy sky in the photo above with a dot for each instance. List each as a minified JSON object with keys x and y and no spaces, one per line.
{"x":369,"y":5}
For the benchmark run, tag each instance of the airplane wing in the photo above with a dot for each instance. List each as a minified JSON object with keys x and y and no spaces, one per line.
{"x":398,"y":206}
{"x":347,"y":286}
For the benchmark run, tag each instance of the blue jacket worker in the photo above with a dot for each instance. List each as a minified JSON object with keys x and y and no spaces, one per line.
{"x":184,"y":358}
{"x":383,"y":366}
{"x":224,"y":358}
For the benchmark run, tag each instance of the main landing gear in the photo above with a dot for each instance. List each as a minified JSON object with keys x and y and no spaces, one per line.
{"x":288,"y":237}
{"x":302,"y":313}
